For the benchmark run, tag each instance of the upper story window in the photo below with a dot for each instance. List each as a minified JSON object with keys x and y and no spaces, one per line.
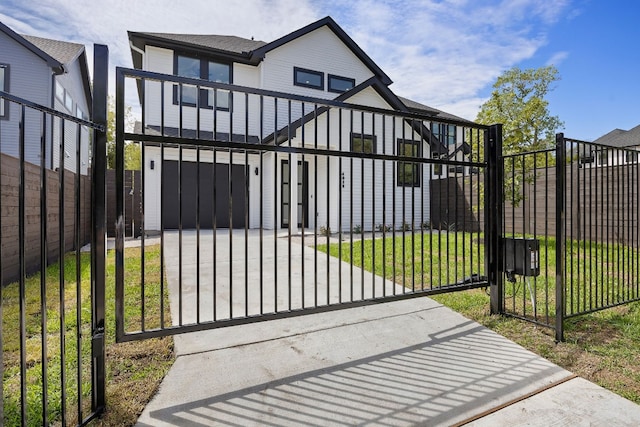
{"x":408,"y":174}
{"x":4,"y":86}
{"x":308,"y":78}
{"x":603,"y":157}
{"x":68,"y":101}
{"x":631,"y":156}
{"x":363,"y":143}
{"x":59,"y":92}
{"x":204,"y":69}
{"x":445,"y":133}
{"x":340,"y":84}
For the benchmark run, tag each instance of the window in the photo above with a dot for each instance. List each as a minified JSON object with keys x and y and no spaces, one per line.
{"x":68,"y":101}
{"x":79,"y":113}
{"x":340,"y":84}
{"x":308,"y":78}
{"x":408,"y":174}
{"x":363,"y":143}
{"x":4,"y":86}
{"x":631,"y":156}
{"x":603,"y":157}
{"x":59,"y":92}
{"x":445,"y":133}
{"x":204,"y":69}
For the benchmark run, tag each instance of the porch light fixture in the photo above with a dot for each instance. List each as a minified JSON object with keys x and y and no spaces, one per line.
{"x":256,"y":171}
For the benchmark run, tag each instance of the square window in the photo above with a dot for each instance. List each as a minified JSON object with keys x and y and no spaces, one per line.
{"x":408,"y":174}
{"x":445,"y":133}
{"x":603,"y":157}
{"x":204,"y":69}
{"x":308,"y":78}
{"x":363,"y":143}
{"x":631,"y":156}
{"x":340,"y":84}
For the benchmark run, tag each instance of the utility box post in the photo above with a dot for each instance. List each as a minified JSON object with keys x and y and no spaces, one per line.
{"x":493,"y":208}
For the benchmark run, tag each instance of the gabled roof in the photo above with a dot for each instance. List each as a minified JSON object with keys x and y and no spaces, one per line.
{"x":63,"y":52}
{"x":245,"y":50}
{"x":56,"y":65}
{"x":621,"y":138}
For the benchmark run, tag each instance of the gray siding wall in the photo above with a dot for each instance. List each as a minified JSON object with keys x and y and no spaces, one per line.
{"x":29,"y":78}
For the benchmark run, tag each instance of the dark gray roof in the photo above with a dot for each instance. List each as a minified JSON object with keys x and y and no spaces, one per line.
{"x":63,"y":52}
{"x":224,"y":43}
{"x":621,"y":138}
{"x":421,"y":108}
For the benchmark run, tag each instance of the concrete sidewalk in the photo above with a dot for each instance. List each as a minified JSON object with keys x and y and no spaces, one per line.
{"x":401,"y":363}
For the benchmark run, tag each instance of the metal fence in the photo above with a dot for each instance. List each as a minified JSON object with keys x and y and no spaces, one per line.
{"x":572,"y":213}
{"x":268,"y":205}
{"x":52,"y":366}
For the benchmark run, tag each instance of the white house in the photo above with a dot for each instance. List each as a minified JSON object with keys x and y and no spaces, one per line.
{"x":51,"y":73}
{"x":618,"y":147}
{"x":319,"y":61}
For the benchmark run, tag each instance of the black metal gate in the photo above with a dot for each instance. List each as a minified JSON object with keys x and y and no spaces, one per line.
{"x":231,"y":249}
{"x":570,"y":217}
{"x":52,"y":300}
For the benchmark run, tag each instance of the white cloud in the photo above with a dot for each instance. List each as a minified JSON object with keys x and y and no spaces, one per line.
{"x":442,"y":53}
{"x":557,"y":58}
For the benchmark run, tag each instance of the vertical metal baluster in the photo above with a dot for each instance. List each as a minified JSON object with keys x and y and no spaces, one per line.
{"x":384,"y":206}
{"x":275,"y":205}
{"x":351,"y":207}
{"x":214,"y":231}
{"x":261,"y":190}
{"x":162,"y":320}
{"x":141,"y":207}
{"x":230,"y":175}
{"x":61,"y":277}
{"x":76,"y":233}
{"x":340,"y":186}
{"x":246,"y":206}
{"x":302,"y":222}
{"x":43,"y":272}
{"x":395,"y":165}
{"x":180,"y":212}
{"x":22,"y":266}
{"x":362,"y":228}
{"x":328,"y":211}
{"x":290,"y":207}
{"x":373,"y":194}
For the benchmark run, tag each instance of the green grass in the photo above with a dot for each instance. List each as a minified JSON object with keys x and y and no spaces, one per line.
{"x":603,"y":347}
{"x":74,"y":345}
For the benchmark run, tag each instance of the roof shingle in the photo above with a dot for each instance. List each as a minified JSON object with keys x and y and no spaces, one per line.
{"x":212,"y":41}
{"x":63,"y":52}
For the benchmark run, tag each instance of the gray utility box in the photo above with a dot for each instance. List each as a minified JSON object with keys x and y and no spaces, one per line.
{"x":522,"y":257}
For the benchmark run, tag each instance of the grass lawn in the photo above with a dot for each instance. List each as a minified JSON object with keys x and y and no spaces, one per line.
{"x":134,"y":370}
{"x":603,"y":347}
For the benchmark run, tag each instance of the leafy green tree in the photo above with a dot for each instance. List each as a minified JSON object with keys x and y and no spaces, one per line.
{"x":131,"y":149}
{"x":518,"y":103}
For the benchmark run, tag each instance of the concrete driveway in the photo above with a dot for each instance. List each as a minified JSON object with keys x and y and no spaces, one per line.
{"x":410,"y":362}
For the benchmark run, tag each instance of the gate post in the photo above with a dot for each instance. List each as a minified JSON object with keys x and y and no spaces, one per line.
{"x":98,"y":248}
{"x":493,"y":208}
{"x":560,"y":236}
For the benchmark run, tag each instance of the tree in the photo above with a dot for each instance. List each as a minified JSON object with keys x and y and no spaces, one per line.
{"x":518,"y":102}
{"x":131,"y":149}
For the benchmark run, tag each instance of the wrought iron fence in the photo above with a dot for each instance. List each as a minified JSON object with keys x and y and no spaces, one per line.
{"x":572,"y":212}
{"x":52,"y":368}
{"x":273,"y":205}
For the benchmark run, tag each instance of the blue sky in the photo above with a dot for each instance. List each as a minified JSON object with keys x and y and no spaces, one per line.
{"x":444,"y":53}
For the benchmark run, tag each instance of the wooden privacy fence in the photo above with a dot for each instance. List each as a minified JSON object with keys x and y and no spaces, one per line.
{"x":593,"y":194}
{"x":10,"y":204}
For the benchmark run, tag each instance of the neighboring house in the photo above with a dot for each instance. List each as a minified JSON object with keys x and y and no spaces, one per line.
{"x":624,"y":148}
{"x":51,"y":73}
{"x":319,"y":60}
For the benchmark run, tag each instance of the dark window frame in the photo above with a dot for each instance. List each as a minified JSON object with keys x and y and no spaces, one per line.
{"x":631,"y":156}
{"x":5,"y":102}
{"x":415,"y":167}
{"x":442,"y":131}
{"x":333,"y":77}
{"x":203,"y":93}
{"x":305,"y":70}
{"x":363,"y":137}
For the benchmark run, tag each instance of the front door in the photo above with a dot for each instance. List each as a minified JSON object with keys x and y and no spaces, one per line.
{"x":302,"y":188}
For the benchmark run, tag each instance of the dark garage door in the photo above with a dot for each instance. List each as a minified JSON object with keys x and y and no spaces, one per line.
{"x":189,"y":191}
